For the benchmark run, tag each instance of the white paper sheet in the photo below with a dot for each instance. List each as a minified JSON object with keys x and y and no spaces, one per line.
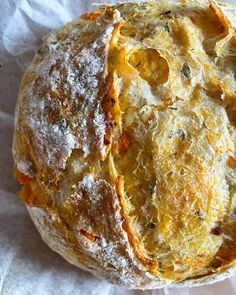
{"x":27,"y":265}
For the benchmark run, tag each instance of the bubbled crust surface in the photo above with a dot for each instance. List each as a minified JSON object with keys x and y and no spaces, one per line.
{"x":125,"y":142}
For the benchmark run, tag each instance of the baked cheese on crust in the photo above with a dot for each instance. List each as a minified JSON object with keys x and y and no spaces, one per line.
{"x":125,"y":142}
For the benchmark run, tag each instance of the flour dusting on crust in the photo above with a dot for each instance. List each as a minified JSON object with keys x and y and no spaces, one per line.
{"x":60,"y":107}
{"x":104,"y":245}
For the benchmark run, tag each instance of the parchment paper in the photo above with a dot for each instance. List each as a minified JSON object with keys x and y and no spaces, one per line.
{"x":27,"y":265}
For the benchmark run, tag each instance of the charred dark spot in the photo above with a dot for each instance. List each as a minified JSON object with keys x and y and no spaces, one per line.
{"x":151,"y":225}
{"x":165,"y":13}
{"x":217,"y":263}
{"x":169,"y":174}
{"x":106,"y":141}
{"x":151,"y":255}
{"x":112,"y":102}
{"x":152,"y":190}
{"x":217,"y":231}
{"x":122,"y":219}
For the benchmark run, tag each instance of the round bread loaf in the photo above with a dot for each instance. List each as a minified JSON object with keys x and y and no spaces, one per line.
{"x":125,"y":142}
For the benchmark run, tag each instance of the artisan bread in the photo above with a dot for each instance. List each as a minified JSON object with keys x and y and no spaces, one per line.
{"x":125,"y":142}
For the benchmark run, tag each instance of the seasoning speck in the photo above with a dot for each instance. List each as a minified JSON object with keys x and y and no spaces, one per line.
{"x":151,"y":225}
{"x":43,"y":50}
{"x":181,"y":134}
{"x":199,"y":214}
{"x":152,"y":190}
{"x":165,"y":13}
{"x":167,"y":28}
{"x":174,"y":155}
{"x":186,"y":71}
{"x":217,"y":231}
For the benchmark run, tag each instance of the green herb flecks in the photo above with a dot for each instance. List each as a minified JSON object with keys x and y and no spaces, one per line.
{"x":199,"y":214}
{"x":167,"y":28}
{"x":186,"y":71}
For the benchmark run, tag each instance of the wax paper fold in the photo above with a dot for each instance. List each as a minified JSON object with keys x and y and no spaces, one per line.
{"x":27,"y":265}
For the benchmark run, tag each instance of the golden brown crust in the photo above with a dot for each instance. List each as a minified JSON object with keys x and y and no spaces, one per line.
{"x":125,"y":142}
{"x":223,"y":19}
